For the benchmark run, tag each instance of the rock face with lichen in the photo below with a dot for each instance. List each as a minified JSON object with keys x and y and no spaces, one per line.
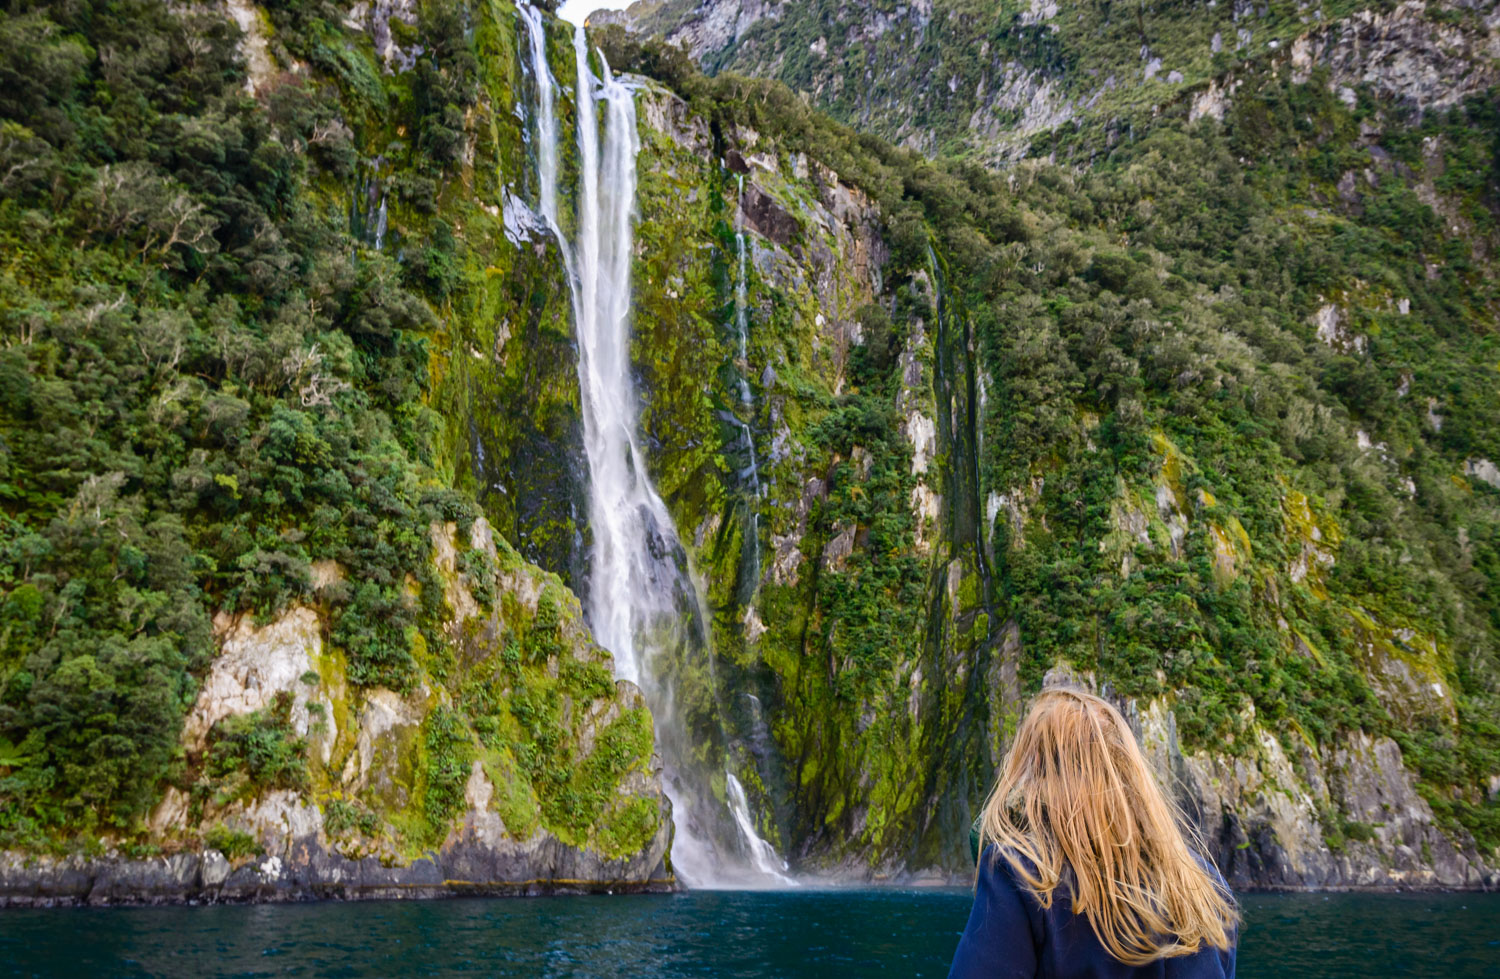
{"x":1308,"y":797}
{"x":391,"y":797}
{"x":1267,"y":819}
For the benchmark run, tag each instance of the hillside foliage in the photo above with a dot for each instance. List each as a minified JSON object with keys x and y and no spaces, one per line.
{"x":1235,"y":393}
{"x":1150,"y":328}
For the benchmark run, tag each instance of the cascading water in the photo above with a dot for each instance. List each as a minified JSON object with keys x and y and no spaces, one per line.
{"x":641,"y":601}
{"x":742,"y":369}
{"x":762,"y":854}
{"x":380,"y":224}
{"x":741,"y":312}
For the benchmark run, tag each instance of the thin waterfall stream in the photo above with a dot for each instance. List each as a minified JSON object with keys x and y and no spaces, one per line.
{"x":747,"y":402}
{"x":640,"y":601}
{"x":741,"y":290}
{"x":761,"y":852}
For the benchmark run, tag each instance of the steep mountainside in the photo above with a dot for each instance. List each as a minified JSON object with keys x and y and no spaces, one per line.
{"x":252,"y":643}
{"x":1164,"y":425}
{"x":999,"y":80}
{"x":1172,"y":482}
{"x":1210,"y":425}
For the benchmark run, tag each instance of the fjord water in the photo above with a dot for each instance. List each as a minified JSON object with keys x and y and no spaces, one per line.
{"x":793,"y":934}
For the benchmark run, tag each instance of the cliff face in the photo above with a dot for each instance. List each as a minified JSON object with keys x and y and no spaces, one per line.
{"x":882,"y":752}
{"x":889,"y":703}
{"x":1208,"y":427}
{"x":302,"y":785}
{"x":329,"y":676}
{"x":1003,"y":81}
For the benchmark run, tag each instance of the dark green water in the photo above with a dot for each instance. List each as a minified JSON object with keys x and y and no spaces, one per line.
{"x":797,"y":934}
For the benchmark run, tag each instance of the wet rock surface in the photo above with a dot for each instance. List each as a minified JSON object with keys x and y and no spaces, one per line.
{"x":306,"y":869}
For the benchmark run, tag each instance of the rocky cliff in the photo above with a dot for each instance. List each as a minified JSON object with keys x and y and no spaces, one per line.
{"x":1005,"y":80}
{"x":1310,"y":796}
{"x":1206,"y":425}
{"x":328,"y":676}
{"x":298,"y":784}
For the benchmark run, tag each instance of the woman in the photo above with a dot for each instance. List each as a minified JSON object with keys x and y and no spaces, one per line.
{"x":1085,"y":867}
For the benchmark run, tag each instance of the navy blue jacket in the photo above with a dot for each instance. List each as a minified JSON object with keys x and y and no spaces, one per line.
{"x":1009,"y":935}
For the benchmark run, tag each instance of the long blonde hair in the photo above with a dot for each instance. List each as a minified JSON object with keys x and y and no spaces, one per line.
{"x":1075,"y":797}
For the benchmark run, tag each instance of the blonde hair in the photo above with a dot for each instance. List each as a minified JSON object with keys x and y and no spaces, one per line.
{"x":1076,"y":797}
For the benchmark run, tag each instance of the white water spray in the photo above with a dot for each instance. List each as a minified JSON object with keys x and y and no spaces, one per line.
{"x":762,"y":853}
{"x":639,"y":592}
{"x":380,"y":224}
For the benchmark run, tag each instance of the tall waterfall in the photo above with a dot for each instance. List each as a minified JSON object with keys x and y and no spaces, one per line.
{"x":641,"y":601}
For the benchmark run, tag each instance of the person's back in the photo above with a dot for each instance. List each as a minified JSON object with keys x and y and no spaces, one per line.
{"x":1085,"y":867}
{"x":1011,"y":934}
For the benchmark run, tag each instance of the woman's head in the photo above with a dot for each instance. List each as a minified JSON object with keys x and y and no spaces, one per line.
{"x":1075,"y":797}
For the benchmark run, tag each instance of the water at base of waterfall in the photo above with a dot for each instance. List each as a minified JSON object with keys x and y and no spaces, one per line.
{"x":804,"y":934}
{"x":640,"y":600}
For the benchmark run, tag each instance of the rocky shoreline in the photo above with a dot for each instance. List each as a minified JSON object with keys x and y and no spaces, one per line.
{"x":307,"y":872}
{"x":208,"y":877}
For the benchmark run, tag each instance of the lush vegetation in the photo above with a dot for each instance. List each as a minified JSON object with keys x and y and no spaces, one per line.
{"x":1201,"y":497}
{"x":218,"y":309}
{"x":999,"y":80}
{"x":250,"y":753}
{"x":1209,"y":413}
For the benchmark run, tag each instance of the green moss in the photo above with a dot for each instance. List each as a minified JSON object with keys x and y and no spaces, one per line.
{"x":342,"y":816}
{"x":573,"y":805}
{"x":449,"y":749}
{"x":235,"y":844}
{"x":514,"y":801}
{"x":628,"y":827}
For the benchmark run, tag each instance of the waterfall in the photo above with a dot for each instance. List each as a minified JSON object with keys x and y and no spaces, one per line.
{"x":741,"y":314}
{"x":380,"y":224}
{"x":641,"y":601}
{"x":742,"y":370}
{"x":762,"y":853}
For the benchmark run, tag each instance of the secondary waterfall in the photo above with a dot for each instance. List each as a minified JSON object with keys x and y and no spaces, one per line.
{"x":742,"y":370}
{"x":741,"y":312}
{"x":640,"y":600}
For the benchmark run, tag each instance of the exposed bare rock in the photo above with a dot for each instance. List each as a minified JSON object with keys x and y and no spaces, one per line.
{"x":766,"y":217}
{"x":926,"y":506}
{"x":374,"y":17}
{"x":787,"y":558}
{"x":362,"y":745}
{"x":667,"y":113}
{"x":754,"y":627}
{"x":836,"y":553}
{"x":711,"y":26}
{"x":1332,"y":330}
{"x":476,"y":859}
{"x":1481,"y":469}
{"x":1261,"y":812}
{"x":254,"y":665}
{"x":921,"y":432}
{"x":1407,"y":53}
{"x":259,"y":68}
{"x":1212,"y":102}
